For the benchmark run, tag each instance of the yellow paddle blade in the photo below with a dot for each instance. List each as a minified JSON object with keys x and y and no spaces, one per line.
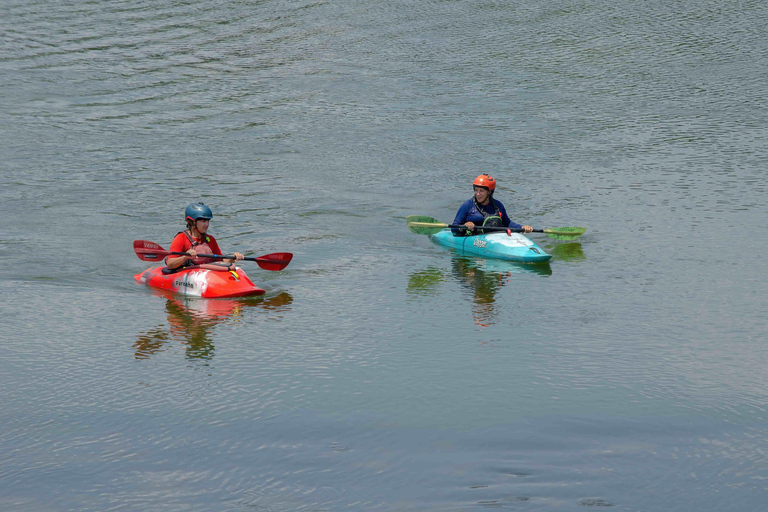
{"x":423,"y":225}
{"x":566,"y":233}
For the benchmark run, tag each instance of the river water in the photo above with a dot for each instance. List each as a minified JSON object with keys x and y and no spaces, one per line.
{"x":381,"y":371}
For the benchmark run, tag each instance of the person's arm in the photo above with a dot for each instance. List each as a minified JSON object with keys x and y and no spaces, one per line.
{"x":507,"y":222}
{"x":461,"y":218}
{"x":180,"y":244}
{"x":515,"y":225}
{"x":214,"y":245}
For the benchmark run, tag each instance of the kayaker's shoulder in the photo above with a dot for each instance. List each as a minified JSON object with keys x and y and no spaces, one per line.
{"x":498,"y":203}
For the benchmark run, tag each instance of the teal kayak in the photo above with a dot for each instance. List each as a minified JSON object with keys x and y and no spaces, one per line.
{"x":502,"y":246}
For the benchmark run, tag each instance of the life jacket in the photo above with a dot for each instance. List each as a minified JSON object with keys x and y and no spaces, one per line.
{"x":489,"y":219}
{"x":200,"y":248}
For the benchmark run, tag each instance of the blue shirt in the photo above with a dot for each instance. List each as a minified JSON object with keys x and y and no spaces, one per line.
{"x":468,"y":212}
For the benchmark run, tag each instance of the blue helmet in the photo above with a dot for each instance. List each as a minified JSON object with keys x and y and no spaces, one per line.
{"x":198,"y":211}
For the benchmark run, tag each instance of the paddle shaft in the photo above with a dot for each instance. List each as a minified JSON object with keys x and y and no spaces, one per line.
{"x":424,"y":225}
{"x":496,"y":228}
{"x":218,"y":256}
{"x":150,"y":251}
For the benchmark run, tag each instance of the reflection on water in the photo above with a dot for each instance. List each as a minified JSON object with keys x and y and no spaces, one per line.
{"x":191,"y":322}
{"x":483,"y":284}
{"x":483,"y":278}
{"x":425,"y":282}
{"x":568,"y":252}
{"x":511,"y":267}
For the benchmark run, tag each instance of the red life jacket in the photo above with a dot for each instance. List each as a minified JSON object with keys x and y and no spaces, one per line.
{"x":200,"y":248}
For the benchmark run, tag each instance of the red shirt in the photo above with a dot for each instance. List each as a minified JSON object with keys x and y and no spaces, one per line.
{"x":182,"y":244}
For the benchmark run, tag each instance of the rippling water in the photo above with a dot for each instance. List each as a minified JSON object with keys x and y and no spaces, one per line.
{"x":380,"y":371}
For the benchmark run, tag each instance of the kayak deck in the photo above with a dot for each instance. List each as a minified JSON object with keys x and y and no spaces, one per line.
{"x":200,"y":282}
{"x":514,"y":247}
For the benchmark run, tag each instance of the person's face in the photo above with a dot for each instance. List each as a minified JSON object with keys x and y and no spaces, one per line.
{"x":481,"y":194}
{"x":202,"y":225}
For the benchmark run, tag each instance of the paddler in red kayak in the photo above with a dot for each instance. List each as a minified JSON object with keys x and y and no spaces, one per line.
{"x":483,"y":209}
{"x":196,"y":241}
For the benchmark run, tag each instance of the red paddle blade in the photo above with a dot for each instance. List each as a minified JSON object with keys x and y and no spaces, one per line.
{"x":149,"y":251}
{"x":274,"y":261}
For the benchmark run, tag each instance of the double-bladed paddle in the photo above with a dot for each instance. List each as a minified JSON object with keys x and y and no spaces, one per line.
{"x":150,"y":251}
{"x":423,"y":225}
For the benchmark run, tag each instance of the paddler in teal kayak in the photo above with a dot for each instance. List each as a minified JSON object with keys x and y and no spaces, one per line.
{"x":483,"y":210}
{"x":195,"y":240}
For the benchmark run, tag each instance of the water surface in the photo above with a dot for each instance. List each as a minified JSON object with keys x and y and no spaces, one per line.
{"x":381,"y":371}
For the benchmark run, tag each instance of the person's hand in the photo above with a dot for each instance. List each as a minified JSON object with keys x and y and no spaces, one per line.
{"x":470,"y":225}
{"x":238,"y":256}
{"x":191,"y":254}
{"x":527,"y":228}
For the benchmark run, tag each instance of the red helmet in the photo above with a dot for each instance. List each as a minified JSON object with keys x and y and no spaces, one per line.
{"x":485,"y":181}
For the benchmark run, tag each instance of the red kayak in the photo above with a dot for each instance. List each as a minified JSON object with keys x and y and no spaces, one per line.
{"x":208,"y":281}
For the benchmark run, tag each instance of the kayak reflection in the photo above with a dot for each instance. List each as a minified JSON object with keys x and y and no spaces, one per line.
{"x":483,"y":278}
{"x":191,"y":322}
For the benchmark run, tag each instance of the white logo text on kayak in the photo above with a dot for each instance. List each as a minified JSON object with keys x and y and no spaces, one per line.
{"x":479,"y":243}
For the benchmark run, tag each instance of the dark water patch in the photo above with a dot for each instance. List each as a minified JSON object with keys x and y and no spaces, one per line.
{"x":594,"y":502}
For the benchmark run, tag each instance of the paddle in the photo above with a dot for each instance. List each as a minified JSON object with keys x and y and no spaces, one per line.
{"x":423,"y":225}
{"x":150,"y":251}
